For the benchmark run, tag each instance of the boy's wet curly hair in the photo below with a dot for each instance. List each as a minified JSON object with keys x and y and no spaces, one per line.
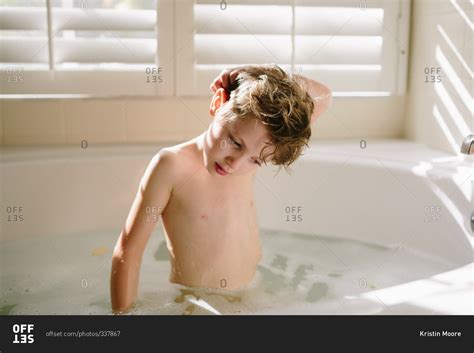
{"x":280,"y":102}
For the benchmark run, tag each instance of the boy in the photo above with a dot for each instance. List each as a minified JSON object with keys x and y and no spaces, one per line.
{"x":202,"y":189}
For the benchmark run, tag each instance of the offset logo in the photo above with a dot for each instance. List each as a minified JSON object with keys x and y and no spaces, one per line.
{"x":23,"y":333}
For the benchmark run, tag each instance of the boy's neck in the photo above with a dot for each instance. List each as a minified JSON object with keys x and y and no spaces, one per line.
{"x":199,"y":141}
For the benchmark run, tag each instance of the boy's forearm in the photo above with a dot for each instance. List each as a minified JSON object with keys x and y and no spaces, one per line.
{"x":124,"y":281}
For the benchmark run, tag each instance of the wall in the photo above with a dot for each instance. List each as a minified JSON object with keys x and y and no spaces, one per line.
{"x":127,"y":120}
{"x":440,"y":114}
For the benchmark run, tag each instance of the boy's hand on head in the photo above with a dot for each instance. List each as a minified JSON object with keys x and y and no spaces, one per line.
{"x":226,"y":80}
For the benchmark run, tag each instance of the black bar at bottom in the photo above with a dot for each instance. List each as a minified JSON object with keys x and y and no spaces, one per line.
{"x":316,"y":333}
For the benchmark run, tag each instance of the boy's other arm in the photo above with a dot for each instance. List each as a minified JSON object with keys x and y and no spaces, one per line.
{"x":320,"y":93}
{"x":151,"y":199}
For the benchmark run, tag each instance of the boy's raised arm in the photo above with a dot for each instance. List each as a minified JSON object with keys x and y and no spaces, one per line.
{"x":320,"y":93}
{"x":151,"y":199}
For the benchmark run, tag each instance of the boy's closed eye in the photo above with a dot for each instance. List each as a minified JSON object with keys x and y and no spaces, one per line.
{"x":239,"y":146}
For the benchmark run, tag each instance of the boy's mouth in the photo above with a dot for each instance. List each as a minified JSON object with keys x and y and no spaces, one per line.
{"x":219,"y":169}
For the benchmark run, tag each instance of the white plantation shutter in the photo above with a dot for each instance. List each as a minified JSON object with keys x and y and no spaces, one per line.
{"x":140,"y":49}
{"x":89,"y":49}
{"x":354,"y":48}
{"x":75,"y":49}
{"x":23,"y":36}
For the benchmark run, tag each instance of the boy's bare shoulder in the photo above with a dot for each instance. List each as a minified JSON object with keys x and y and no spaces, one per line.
{"x":171,"y":155}
{"x":171,"y":162}
{"x":161,"y":171}
{"x":164,"y":162}
{"x":182,"y":154}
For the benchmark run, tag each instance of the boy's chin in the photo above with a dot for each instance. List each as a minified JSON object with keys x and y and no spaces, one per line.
{"x":209,"y":167}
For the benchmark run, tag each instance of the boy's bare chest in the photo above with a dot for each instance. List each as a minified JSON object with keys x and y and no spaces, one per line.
{"x":212,"y":230}
{"x":202,"y":203}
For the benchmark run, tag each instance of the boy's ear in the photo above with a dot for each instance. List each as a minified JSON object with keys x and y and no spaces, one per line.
{"x":218,"y":99}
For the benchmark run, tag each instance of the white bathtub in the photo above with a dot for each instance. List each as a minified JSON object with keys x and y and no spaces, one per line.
{"x":392,"y":193}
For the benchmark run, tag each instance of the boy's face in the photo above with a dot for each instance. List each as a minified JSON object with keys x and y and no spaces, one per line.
{"x":234,"y":146}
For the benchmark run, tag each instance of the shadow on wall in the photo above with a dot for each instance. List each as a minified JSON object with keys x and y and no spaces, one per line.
{"x":441,"y":101}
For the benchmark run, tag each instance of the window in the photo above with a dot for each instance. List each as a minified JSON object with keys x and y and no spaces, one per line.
{"x":166,"y":47}
{"x":356,"y":48}
{"x":85,"y":46}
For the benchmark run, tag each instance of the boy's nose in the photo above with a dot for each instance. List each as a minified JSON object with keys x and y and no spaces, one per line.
{"x":233,"y":163}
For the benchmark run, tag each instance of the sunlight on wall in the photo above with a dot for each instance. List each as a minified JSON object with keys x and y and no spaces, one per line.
{"x":456,"y":102}
{"x":440,"y":112}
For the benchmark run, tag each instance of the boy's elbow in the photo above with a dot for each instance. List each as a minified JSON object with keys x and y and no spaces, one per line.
{"x":126,"y":243}
{"x":125,"y":252}
{"x":327,"y":101}
{"x":321,"y":104}
{"x":324,"y":96}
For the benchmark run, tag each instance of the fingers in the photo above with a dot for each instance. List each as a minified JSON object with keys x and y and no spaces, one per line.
{"x":216,"y":84}
{"x":225,"y":80}
{"x":221,"y":81}
{"x":233,"y":76}
{"x":213,"y":86}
